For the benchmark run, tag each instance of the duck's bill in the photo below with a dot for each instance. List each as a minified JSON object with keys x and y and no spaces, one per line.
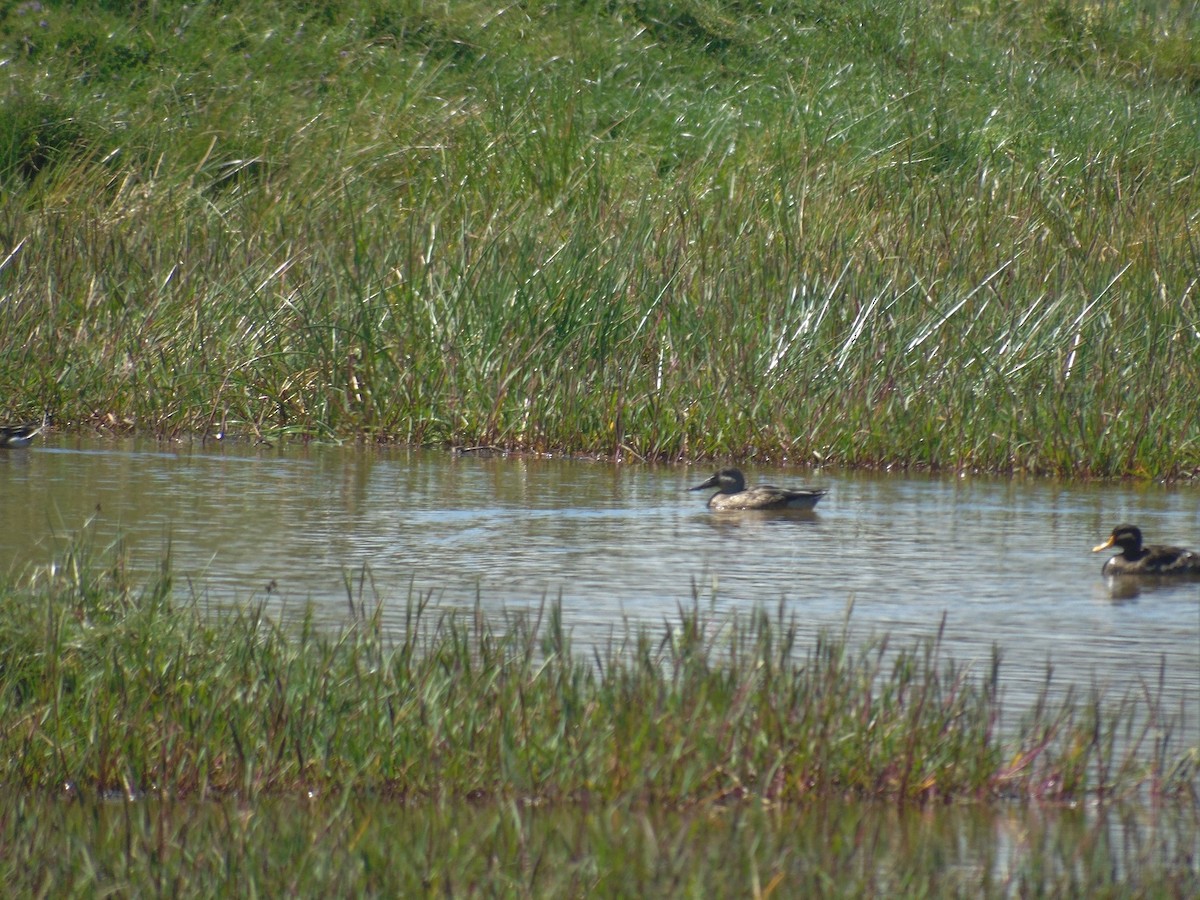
{"x":712,"y":482}
{"x":1103,"y":546}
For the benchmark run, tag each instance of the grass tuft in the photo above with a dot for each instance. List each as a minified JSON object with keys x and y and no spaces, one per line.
{"x":111,"y":689}
{"x":150,"y":745}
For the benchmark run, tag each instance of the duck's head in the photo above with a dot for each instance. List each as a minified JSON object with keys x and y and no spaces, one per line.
{"x":727,"y":481}
{"x":1127,"y":537}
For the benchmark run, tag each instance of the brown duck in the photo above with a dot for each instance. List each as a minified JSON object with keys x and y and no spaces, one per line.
{"x":1138,"y":559}
{"x":732,"y":493}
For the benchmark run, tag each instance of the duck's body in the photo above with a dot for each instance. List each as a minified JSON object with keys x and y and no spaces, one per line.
{"x":13,"y":437}
{"x":732,"y":493}
{"x":1138,"y":559}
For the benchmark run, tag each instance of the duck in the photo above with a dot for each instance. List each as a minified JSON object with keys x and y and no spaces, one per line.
{"x":1136,"y":559}
{"x":13,"y":437}
{"x":732,"y":493}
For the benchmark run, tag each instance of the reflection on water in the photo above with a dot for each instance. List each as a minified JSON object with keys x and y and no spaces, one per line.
{"x":1007,"y":561}
{"x":349,"y":846}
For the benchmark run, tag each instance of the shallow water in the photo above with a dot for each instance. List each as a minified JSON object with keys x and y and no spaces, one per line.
{"x":1007,"y":562}
{"x":380,"y":847}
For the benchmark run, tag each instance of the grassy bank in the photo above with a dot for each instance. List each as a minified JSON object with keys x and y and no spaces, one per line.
{"x":920,"y":235}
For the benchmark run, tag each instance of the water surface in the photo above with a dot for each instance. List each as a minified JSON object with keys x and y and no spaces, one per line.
{"x":1006,"y":562}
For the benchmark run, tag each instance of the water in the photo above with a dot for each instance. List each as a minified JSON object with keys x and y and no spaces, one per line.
{"x":1007,"y":562}
{"x":338,"y":845}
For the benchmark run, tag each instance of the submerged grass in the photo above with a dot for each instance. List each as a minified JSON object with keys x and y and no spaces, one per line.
{"x":111,"y":690}
{"x":931,"y":235}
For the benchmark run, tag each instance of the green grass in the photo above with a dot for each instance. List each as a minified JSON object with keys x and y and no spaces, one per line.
{"x":917,"y":235}
{"x":148,"y":744}
{"x":108,"y":689}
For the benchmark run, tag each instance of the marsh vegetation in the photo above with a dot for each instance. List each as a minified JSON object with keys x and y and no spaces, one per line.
{"x":134,"y":727}
{"x":928,"y":235}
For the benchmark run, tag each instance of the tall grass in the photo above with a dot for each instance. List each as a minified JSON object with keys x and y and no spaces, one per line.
{"x":920,"y":236}
{"x":149,"y":744}
{"x":107,"y":689}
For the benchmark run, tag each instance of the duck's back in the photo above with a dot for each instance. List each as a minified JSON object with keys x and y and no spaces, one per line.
{"x":1155,"y":561}
{"x":767,"y":496}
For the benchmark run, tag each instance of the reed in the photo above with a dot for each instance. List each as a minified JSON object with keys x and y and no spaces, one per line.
{"x":148,"y":743}
{"x":929,"y":236}
{"x":111,"y":689}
